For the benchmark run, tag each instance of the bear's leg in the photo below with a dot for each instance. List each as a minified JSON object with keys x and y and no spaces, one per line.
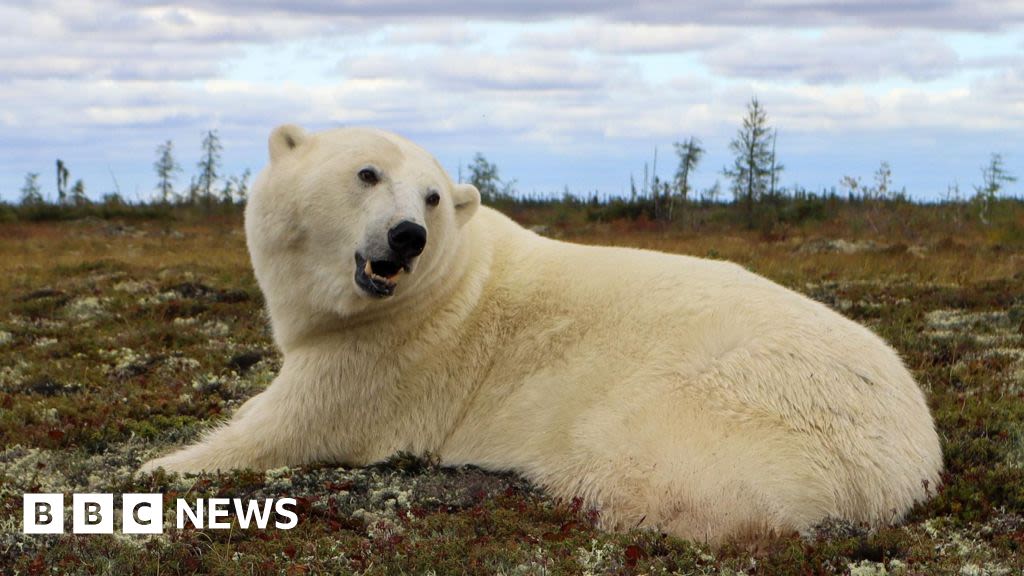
{"x":707,"y":508}
{"x":270,"y":430}
{"x":662,"y":460}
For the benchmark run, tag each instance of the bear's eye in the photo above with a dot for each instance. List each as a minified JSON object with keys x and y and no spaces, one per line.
{"x":369,"y":176}
{"x":433,"y":199}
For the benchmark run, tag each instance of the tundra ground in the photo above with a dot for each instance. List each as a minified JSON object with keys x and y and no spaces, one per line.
{"x":119,"y":340}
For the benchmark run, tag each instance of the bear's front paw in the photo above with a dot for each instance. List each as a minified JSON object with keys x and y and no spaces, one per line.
{"x":181,"y":462}
{"x":166,"y":463}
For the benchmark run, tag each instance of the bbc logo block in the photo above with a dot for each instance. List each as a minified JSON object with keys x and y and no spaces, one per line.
{"x":44,"y":513}
{"x":93,"y":513}
{"x":144,"y":513}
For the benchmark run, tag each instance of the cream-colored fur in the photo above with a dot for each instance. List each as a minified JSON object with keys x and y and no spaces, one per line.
{"x":668,"y":391}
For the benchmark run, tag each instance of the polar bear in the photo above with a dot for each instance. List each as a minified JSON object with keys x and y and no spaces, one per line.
{"x":671,"y":392}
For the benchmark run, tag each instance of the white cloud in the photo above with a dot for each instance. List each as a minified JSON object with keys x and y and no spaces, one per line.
{"x":111,"y":79}
{"x":441,"y":34}
{"x":925,"y":14}
{"x":971,"y":15}
{"x":629,"y":37}
{"x":835,"y":56}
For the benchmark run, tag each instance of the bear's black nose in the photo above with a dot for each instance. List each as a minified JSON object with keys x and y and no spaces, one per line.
{"x":407,"y":239}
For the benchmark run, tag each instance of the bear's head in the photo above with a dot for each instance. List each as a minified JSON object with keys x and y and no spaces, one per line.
{"x":351,"y":220}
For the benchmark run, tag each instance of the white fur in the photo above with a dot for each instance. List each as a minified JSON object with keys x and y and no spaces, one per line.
{"x":685,"y":394}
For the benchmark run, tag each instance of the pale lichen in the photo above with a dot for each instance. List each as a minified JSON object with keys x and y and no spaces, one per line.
{"x":86,"y":308}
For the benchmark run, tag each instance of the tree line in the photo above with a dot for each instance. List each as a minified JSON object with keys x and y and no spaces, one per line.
{"x":753,"y":179}
{"x":207,"y":187}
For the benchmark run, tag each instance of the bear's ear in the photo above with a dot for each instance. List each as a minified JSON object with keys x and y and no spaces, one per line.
{"x":467,"y":199}
{"x":284,"y":139}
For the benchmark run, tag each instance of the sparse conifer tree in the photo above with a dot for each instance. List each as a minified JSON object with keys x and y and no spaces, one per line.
{"x":78,"y":197}
{"x":994,"y":176}
{"x":484,"y":175}
{"x":242,"y":186}
{"x":754,"y":169}
{"x":62,"y":182}
{"x":690,"y":153}
{"x":167,"y":170}
{"x":227,"y":193}
{"x":209,"y":165}
{"x":883,"y":181}
{"x":31,"y":195}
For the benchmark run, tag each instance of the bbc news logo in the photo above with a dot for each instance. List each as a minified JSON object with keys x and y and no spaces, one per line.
{"x":144,"y":513}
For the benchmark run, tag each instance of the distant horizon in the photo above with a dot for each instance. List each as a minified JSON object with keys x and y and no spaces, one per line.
{"x":556,"y":94}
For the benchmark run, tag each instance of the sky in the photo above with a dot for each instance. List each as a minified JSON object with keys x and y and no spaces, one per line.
{"x":559,"y":94}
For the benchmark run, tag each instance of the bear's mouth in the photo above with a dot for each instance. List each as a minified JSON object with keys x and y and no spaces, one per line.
{"x":378,"y":278}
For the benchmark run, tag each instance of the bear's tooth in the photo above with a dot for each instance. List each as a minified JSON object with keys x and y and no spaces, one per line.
{"x":368,"y":270}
